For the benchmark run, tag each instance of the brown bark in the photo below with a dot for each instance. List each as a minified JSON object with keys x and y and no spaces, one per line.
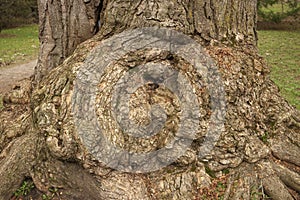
{"x":46,"y":144}
{"x":64,"y":25}
{"x":230,"y":21}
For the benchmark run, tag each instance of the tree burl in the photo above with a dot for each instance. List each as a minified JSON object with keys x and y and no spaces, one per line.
{"x":43,"y":138}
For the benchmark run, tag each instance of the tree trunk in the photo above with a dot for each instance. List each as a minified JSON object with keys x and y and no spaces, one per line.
{"x":64,"y":25}
{"x":226,"y":132}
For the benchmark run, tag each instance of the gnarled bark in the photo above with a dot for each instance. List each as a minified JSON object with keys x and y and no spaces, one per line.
{"x":56,"y":156}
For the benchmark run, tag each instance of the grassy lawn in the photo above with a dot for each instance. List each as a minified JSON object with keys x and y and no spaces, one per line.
{"x":18,"y":44}
{"x":282,"y":52}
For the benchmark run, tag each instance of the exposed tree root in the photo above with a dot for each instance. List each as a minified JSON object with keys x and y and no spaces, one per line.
{"x":288,"y":177}
{"x":70,"y":180}
{"x":16,"y":160}
{"x":284,"y":149}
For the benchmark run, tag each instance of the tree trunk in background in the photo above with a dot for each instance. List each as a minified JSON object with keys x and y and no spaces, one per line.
{"x":256,"y":155}
{"x":63,"y":25}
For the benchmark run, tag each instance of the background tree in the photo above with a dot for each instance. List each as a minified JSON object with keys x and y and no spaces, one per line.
{"x":17,"y":12}
{"x":62,"y":28}
{"x":258,"y":148}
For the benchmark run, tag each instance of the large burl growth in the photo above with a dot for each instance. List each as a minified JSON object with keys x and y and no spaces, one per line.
{"x":257,"y":154}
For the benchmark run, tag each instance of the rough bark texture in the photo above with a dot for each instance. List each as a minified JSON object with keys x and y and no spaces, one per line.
{"x":258,"y":148}
{"x":64,"y":25}
{"x":229,"y":21}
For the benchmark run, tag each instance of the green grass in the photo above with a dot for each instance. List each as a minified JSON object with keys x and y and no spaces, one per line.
{"x":18,"y":44}
{"x":282,"y":52}
{"x":24,"y":189}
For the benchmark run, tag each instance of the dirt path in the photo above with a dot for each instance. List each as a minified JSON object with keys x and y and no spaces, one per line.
{"x":10,"y":75}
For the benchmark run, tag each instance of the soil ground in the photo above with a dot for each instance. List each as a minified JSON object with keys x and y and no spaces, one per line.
{"x":12,"y":74}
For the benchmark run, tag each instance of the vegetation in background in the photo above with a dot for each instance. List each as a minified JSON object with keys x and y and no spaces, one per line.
{"x":280,"y":47}
{"x":17,"y":12}
{"x":277,"y":10}
{"x":18,"y":44}
{"x":282,"y":52}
